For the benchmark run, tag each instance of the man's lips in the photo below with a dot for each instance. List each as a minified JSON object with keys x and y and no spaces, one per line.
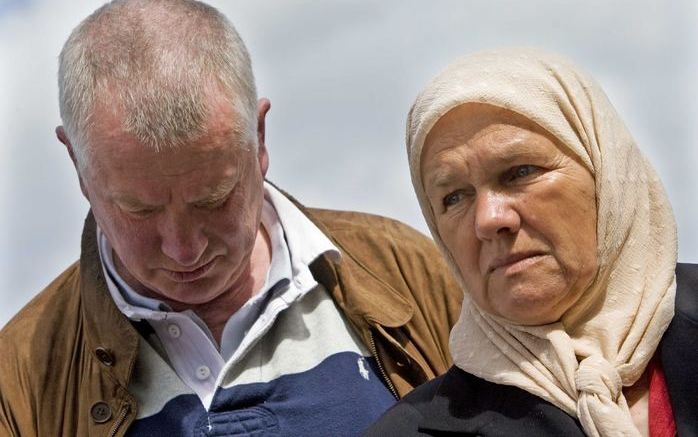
{"x":506,"y":261}
{"x":189,"y":275}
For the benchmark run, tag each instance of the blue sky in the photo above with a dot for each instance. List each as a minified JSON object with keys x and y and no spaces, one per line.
{"x":341,"y":76}
{"x":8,"y":6}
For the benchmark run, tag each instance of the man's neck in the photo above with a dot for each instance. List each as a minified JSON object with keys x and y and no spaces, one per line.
{"x":216,"y":312}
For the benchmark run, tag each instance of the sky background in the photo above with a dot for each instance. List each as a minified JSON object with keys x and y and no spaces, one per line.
{"x":341,"y":76}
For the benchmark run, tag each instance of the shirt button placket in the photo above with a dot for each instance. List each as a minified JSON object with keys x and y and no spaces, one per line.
{"x":174,"y":331}
{"x":203,"y":372}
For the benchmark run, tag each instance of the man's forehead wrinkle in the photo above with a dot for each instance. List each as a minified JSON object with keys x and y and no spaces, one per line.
{"x":109,"y":140}
{"x":227,"y":134}
{"x":214,"y":193}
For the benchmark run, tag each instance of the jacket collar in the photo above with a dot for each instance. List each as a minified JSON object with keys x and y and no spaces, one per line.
{"x":106,"y":327}
{"x":360,"y":293}
{"x":355,"y":287}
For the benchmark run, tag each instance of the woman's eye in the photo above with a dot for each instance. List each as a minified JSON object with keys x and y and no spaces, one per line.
{"x":521,"y":171}
{"x":453,"y":198}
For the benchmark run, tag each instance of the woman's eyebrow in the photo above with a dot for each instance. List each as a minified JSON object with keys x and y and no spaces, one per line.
{"x":509,"y":157}
{"x":443,"y":176}
{"x":440,"y":178}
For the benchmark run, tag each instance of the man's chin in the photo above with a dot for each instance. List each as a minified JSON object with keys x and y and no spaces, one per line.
{"x":162,"y":287}
{"x":180,"y":295}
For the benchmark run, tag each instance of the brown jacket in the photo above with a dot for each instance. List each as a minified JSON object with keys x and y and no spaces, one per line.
{"x":66,"y":359}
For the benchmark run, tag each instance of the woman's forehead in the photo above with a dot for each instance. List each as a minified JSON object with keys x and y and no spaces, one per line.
{"x":475,"y":116}
{"x":488,"y":144}
{"x":494,"y":147}
{"x":477,"y":122}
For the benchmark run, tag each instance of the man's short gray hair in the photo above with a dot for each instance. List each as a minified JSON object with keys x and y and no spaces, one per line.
{"x":156,"y":61}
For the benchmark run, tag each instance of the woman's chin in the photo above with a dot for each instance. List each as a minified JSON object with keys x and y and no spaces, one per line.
{"x":527,"y":305}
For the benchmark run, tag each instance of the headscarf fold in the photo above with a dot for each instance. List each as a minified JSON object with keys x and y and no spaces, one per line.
{"x":604,"y":342}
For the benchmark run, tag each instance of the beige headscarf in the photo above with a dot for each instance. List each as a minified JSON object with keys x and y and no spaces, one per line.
{"x":604,"y":342}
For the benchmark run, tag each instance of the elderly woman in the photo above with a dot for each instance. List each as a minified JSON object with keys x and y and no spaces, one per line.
{"x":564,"y":242}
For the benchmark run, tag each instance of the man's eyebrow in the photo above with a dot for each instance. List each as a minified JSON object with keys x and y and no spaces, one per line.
{"x":220,"y":192}
{"x":130,"y":201}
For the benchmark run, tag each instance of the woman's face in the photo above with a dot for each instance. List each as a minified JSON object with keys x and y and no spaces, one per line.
{"x":516,"y":212}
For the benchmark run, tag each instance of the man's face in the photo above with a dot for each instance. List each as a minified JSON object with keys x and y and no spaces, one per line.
{"x":182,"y":221}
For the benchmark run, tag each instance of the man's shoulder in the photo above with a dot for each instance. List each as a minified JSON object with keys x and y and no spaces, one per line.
{"x":343,"y":218}
{"x":42,"y":319}
{"x":366,"y":227}
{"x":392,"y":251}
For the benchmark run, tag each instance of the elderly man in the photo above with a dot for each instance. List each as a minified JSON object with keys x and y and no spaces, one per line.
{"x":206,"y":301}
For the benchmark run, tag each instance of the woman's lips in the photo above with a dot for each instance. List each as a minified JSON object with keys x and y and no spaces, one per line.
{"x":190,"y":276}
{"x":515,"y":262}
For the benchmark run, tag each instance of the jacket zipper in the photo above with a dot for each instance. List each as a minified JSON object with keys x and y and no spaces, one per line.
{"x":119,"y":421}
{"x":387,"y":380}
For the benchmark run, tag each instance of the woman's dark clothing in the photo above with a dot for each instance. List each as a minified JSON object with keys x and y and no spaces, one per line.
{"x":459,"y":403}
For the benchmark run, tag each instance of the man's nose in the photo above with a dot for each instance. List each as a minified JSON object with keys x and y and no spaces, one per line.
{"x":494,"y":215}
{"x":183,"y":239}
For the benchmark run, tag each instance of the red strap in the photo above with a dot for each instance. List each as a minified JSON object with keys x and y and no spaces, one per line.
{"x":661,"y":418}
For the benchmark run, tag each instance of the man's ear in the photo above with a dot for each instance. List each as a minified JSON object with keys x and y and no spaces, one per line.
{"x":63,"y":138}
{"x":263,"y":107}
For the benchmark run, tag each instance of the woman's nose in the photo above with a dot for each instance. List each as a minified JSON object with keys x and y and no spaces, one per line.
{"x":183,"y":239}
{"x":495,"y":216}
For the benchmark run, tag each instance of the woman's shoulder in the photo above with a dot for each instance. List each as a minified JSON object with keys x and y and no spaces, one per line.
{"x":687,"y":290}
{"x":679,"y":351}
{"x":459,"y":402}
{"x":403,"y":418}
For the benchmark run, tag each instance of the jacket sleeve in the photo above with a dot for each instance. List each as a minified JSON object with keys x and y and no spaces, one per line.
{"x":17,"y":415}
{"x":10,"y":395}
{"x":411,"y":264}
{"x":433,"y":289}
{"x":413,"y":267}
{"x":394,"y":264}
{"x":5,"y":428}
